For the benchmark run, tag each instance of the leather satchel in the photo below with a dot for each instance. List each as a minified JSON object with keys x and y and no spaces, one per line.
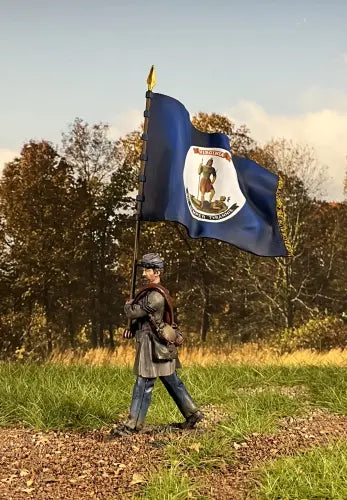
{"x":161,"y":351}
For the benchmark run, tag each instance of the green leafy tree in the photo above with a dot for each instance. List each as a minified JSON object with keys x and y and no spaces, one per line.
{"x":289,"y":295}
{"x":103,"y":197}
{"x":35,"y":206}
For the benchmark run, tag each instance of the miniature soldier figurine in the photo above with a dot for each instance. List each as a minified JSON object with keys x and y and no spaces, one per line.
{"x":152,"y":306}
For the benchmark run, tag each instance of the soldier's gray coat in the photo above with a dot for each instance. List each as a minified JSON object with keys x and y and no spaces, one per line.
{"x":152,"y":303}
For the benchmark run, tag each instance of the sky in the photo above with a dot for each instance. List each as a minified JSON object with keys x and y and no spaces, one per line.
{"x":279,"y":67}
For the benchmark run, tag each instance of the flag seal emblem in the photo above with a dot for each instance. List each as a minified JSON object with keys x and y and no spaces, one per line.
{"x":211,"y":185}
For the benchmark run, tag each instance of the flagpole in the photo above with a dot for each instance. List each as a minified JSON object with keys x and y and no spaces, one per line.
{"x":151,"y":81}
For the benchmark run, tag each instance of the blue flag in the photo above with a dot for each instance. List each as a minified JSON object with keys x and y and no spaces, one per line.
{"x":192,"y":178}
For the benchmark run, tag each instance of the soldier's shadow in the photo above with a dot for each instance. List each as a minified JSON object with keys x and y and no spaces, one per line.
{"x":161,"y":433}
{"x":165,"y":429}
{"x":169,"y":430}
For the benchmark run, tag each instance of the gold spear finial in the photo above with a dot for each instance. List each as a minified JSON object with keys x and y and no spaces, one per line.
{"x":151,"y":80}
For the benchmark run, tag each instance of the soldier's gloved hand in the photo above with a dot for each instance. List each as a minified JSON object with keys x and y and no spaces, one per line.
{"x":127,"y":334}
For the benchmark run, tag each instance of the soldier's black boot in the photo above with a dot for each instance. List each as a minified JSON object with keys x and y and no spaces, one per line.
{"x":120,"y":431}
{"x":192,"y":420}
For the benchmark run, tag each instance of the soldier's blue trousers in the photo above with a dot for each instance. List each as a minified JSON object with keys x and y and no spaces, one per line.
{"x":142,"y":395}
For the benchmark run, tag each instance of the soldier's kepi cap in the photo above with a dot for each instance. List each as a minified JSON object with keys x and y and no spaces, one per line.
{"x":151,"y":261}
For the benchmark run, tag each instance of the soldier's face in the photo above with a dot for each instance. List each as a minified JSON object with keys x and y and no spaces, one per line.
{"x":150,"y":275}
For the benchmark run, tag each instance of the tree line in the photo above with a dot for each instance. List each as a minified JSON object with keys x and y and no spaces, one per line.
{"x":66,"y":238}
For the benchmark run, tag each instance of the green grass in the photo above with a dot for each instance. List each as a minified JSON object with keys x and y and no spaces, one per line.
{"x":168,"y":483}
{"x":84,"y":397}
{"x":328,"y":388}
{"x":318,"y":474}
{"x":258,"y":412}
{"x":56,"y":397}
{"x":211,"y":450}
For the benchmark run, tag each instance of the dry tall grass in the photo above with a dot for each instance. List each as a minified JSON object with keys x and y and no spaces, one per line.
{"x":208,"y":356}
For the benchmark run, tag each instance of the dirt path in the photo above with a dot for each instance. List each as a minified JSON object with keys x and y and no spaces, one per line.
{"x":297,"y":435}
{"x":52,"y":465}
{"x":72,"y":465}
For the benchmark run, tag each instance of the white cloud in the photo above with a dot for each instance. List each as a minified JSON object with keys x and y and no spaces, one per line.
{"x":126,"y":122}
{"x":344,"y":58}
{"x":325,"y":130}
{"x":6,"y":155}
{"x":318,"y":98}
